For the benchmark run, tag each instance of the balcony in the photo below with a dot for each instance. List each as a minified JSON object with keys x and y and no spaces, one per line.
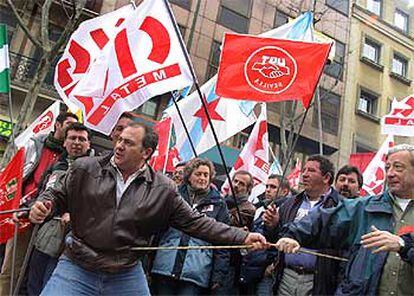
{"x":23,"y":69}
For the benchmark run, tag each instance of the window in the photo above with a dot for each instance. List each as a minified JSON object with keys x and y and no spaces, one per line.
{"x":289,"y":109}
{"x":339,"y":5}
{"x":362,"y":148}
{"x":401,"y":20}
{"x":183,"y":3}
{"x":330,"y":106}
{"x":214,"y":59}
{"x":7,"y":17}
{"x":367,"y":102}
{"x":149,"y":108}
{"x":235,"y":15}
{"x":371,"y":50}
{"x":374,"y":6}
{"x":335,"y":68}
{"x":94,"y":5}
{"x":281,"y":18}
{"x":399,"y":65}
{"x":240,"y":140}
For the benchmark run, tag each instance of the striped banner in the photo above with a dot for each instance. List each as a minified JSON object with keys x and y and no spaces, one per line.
{"x":4,"y":61}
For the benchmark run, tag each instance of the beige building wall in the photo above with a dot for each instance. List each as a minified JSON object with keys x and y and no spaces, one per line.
{"x":361,"y":129}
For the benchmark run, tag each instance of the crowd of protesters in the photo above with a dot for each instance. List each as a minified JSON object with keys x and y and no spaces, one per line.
{"x":90,"y":214}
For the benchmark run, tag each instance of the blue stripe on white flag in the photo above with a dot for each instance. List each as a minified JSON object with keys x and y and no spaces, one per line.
{"x":301,"y":26}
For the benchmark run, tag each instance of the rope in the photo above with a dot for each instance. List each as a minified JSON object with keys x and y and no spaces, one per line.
{"x":231,"y":247}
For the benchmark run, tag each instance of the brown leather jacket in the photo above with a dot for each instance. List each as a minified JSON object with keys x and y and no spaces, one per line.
{"x":103,"y":233}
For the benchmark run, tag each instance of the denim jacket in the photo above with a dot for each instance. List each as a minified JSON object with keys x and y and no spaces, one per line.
{"x":201,"y":267}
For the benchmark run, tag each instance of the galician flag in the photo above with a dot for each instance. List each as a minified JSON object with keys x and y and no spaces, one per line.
{"x":4,"y":60}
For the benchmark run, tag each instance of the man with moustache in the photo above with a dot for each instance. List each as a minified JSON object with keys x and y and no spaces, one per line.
{"x":117,"y":202}
{"x":349,"y":181}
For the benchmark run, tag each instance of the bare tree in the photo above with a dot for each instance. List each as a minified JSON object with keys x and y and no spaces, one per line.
{"x":290,"y":114}
{"x":49,"y":52}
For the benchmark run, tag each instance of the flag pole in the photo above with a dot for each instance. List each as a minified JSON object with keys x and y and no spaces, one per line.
{"x":12,"y":136}
{"x":299,"y":130}
{"x":290,"y":154}
{"x":185,"y":127}
{"x":187,"y":58}
{"x":10,"y":109}
{"x":168,"y":150}
{"x":318,"y":101}
{"x":14,"y":251}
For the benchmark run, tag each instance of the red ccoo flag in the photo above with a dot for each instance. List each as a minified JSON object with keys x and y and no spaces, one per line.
{"x":270,"y":70}
{"x":11,"y":181}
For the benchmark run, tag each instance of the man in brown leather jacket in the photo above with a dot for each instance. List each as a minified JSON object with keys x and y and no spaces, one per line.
{"x":117,"y":202}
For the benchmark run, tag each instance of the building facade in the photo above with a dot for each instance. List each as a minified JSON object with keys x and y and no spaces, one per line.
{"x":380,"y":56}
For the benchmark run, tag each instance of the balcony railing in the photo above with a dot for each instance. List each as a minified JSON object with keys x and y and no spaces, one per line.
{"x":23,"y":69}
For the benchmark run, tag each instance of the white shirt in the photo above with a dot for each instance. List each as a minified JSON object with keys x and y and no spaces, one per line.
{"x":402,"y":202}
{"x":121,"y":184}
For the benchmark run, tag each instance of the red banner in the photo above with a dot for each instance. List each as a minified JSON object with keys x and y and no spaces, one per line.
{"x":269,"y":69}
{"x":163,"y":158}
{"x":11,"y":181}
{"x":361,"y":160}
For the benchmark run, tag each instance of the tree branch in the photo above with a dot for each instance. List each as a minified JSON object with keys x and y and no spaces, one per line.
{"x":64,"y":8}
{"x":44,"y":27}
{"x":73,"y":22}
{"x":23,"y":26}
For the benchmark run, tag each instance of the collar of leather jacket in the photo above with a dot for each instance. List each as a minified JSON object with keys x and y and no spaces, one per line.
{"x":105,"y":162}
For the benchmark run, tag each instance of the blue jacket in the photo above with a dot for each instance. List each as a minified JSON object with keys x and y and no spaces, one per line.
{"x":201,"y":267}
{"x":341,"y":227}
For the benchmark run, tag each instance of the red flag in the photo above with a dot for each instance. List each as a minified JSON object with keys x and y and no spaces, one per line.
{"x":11,"y":181}
{"x":269,"y":69}
{"x":159,"y":159}
{"x":361,"y":160}
{"x":294,"y":177}
{"x":172,"y":160}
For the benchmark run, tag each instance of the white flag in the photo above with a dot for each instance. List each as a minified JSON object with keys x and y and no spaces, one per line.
{"x":400,"y":120}
{"x":374,"y":174}
{"x":44,"y":124}
{"x":84,"y":47}
{"x":228,"y":118}
{"x":144,"y":60}
{"x":254,"y":157}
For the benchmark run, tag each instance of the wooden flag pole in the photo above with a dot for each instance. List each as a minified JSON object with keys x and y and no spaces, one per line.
{"x":187,"y":58}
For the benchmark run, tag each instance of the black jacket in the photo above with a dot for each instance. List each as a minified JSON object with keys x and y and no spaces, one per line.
{"x":327,"y":270}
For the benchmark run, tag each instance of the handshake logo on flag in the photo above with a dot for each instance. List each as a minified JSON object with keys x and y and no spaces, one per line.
{"x":270,"y":69}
